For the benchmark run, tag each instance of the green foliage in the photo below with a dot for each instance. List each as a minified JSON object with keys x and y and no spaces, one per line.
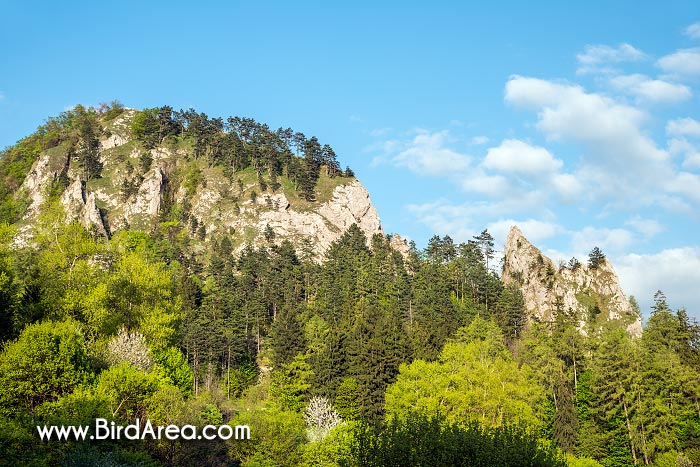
{"x":279,"y":437}
{"x":572,"y":461}
{"x":144,"y":127}
{"x":127,"y":391}
{"x":423,"y":440}
{"x":289,"y":385}
{"x":172,"y":365}
{"x":47,"y":360}
{"x":475,"y":379}
{"x":595,"y":258}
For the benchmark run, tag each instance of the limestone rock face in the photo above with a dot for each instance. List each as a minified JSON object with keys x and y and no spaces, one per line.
{"x":399,"y":244}
{"x":82,"y":208}
{"x":580,"y":291}
{"x":149,"y":196}
{"x":211,"y":203}
{"x":44,"y":171}
{"x":349,"y":205}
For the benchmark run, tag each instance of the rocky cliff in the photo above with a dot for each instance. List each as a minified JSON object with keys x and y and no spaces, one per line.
{"x":583,"y":293}
{"x":132,"y":192}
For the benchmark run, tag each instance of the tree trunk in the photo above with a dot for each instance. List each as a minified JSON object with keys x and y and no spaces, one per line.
{"x":629,"y":431}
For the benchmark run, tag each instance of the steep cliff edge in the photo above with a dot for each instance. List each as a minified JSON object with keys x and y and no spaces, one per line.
{"x":586,"y":294}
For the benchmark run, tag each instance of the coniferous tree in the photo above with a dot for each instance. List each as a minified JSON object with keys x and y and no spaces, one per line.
{"x":595,"y":258}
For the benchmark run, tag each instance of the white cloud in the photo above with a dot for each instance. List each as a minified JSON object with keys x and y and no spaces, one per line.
{"x":462,"y":221}
{"x":534,"y":230}
{"x":684,"y":62}
{"x":567,"y":186}
{"x":597,"y":58}
{"x":647,"y":227}
{"x":567,"y":111}
{"x":515,"y":156}
{"x":683,"y":127}
{"x":606,"y":239}
{"x":651,"y":90}
{"x":675,"y":271}
{"x":490,"y":185}
{"x":377,"y":132}
{"x":427,"y":155}
{"x":2,"y":95}
{"x":693,"y":31}
{"x":686,"y":184}
{"x":690,"y":151}
{"x":479,"y":140}
{"x":621,"y":164}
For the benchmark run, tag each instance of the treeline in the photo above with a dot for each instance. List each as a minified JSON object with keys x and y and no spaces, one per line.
{"x":234,"y":144}
{"x":219,"y":327}
{"x":237,"y":143}
{"x":136,"y":327}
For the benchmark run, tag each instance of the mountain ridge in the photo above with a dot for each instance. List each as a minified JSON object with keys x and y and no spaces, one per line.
{"x":255,"y":205}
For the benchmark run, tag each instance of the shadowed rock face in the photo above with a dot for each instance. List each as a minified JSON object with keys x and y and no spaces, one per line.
{"x":581,"y":292}
{"x":101,"y":206}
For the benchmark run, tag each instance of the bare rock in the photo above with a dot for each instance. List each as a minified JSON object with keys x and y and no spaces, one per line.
{"x":399,"y":244}
{"x":113,"y":141}
{"x":82,"y":208}
{"x":548,"y":289}
{"x":44,"y":171}
{"x":350,"y":204}
{"x":148,"y":198}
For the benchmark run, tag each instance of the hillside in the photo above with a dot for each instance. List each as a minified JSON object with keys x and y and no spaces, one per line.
{"x":162,"y":266}
{"x":243,"y":181}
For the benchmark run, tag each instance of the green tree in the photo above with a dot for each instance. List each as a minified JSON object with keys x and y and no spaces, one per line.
{"x":595,"y":258}
{"x":47,"y":360}
{"x":475,"y":379}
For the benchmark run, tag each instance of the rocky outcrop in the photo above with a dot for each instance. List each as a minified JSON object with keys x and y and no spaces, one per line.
{"x":212,"y":202}
{"x":82,"y":208}
{"x":349,"y":205}
{"x":45,"y":170}
{"x":148,"y":197}
{"x":399,"y":244}
{"x":579,"y":291}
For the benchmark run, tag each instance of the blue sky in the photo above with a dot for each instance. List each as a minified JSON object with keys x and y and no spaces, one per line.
{"x":580,"y":123}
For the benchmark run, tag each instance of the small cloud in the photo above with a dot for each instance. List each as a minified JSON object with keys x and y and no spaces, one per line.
{"x":598,"y":58}
{"x":427,"y":154}
{"x":676,"y":271}
{"x":2,"y":96}
{"x":606,"y":239}
{"x":690,"y":151}
{"x":651,"y":90}
{"x":490,"y":185}
{"x":647,"y":227}
{"x":692,"y":31}
{"x":686,"y":184}
{"x":683,"y":127}
{"x":478,"y":140}
{"x":683,"y":62}
{"x":516,"y":156}
{"x":355,"y":119}
{"x":377,"y":132}
{"x":567,"y":186}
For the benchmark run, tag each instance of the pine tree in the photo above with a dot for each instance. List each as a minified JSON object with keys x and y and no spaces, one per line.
{"x":595,"y":258}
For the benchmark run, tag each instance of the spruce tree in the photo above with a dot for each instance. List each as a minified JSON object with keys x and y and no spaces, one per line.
{"x":595,"y":258}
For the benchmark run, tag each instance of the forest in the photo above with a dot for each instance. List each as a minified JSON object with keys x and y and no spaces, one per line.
{"x":366,"y":358}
